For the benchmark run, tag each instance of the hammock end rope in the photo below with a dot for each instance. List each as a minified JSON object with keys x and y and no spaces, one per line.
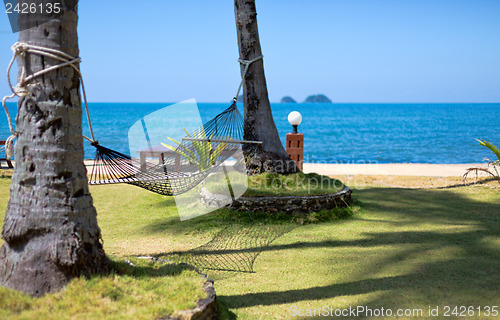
{"x":9,"y":147}
{"x":19,"y":50}
{"x":247,"y":64}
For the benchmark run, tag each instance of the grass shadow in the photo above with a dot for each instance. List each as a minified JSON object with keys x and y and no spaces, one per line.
{"x":234,"y":248}
{"x":458,"y":232}
{"x":242,"y":238}
{"x":140,"y":268}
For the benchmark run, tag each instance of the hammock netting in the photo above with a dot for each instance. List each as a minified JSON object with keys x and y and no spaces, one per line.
{"x":185,"y":166}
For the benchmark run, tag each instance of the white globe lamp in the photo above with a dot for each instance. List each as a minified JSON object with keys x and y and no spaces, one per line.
{"x":295,"y":118}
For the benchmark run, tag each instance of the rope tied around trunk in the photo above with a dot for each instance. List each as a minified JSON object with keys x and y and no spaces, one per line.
{"x":19,"y":50}
{"x":247,"y":64}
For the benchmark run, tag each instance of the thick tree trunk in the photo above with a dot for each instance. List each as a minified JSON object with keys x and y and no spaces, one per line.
{"x":259,"y":123}
{"x":50,"y":230}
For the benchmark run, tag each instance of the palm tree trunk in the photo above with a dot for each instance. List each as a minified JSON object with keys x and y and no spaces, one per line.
{"x":259,"y":123}
{"x":50,"y":229}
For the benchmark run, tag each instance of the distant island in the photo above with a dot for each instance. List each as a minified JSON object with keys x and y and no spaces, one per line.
{"x":318,"y":98}
{"x":240,"y":98}
{"x":288,"y":99}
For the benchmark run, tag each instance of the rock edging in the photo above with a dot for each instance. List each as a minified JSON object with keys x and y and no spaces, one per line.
{"x":274,"y":204}
{"x":206,"y":309}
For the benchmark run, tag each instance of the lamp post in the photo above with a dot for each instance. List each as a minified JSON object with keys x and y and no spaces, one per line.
{"x":295,"y":118}
{"x":295,"y":140}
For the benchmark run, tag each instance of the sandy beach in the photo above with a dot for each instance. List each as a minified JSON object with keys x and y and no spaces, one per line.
{"x":380,"y":169}
{"x":393,"y":169}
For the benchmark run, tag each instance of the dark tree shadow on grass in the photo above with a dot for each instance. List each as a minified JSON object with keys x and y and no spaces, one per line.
{"x":148,"y":268}
{"x":471,"y":273}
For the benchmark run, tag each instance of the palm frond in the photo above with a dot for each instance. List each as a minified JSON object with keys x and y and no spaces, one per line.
{"x":490,"y":146}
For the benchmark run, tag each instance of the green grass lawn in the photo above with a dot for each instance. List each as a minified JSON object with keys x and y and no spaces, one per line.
{"x":146,"y":291}
{"x":406,"y":248}
{"x":402,"y":248}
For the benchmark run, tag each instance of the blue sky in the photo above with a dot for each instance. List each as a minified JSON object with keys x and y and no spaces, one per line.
{"x":352,"y":51}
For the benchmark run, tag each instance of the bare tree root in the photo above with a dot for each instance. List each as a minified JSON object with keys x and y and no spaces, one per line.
{"x":487,"y":170}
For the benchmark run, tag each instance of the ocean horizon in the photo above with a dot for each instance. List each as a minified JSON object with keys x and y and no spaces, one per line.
{"x":438,"y":133}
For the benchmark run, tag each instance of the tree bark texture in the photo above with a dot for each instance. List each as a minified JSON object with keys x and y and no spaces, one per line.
{"x":259,"y":124}
{"x":50,"y":229}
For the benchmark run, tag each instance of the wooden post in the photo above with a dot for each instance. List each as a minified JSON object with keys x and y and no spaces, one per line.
{"x":295,"y":148}
{"x":9,"y":164}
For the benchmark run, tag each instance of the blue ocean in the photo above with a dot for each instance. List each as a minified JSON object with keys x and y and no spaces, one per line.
{"x":339,"y":133}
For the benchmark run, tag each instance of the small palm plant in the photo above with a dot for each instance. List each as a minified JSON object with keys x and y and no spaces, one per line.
{"x":490,"y":162}
{"x":202,"y":153}
{"x":493,"y":148}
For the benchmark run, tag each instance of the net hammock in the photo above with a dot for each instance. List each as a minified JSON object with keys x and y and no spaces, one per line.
{"x":198,"y":155}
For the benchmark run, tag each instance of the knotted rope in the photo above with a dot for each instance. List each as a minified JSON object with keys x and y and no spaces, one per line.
{"x":19,"y":50}
{"x":247,"y":64}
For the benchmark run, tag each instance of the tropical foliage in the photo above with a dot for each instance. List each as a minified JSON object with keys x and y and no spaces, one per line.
{"x":493,"y":148}
{"x":493,"y":163}
{"x":203,"y":153}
